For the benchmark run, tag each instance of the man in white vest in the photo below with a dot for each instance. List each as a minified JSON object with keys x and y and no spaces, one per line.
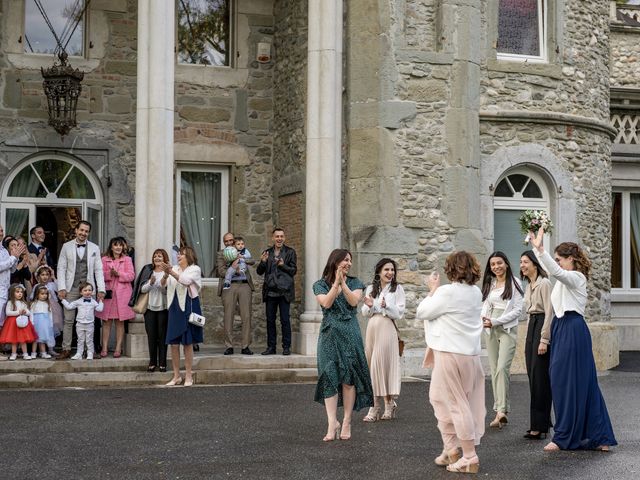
{"x":79,"y":261}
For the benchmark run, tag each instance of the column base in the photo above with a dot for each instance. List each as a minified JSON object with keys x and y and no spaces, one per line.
{"x":305,"y":341}
{"x":136,"y":345}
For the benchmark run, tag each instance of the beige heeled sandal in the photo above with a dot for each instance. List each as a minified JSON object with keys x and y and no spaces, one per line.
{"x":447,"y":457}
{"x":373,"y":415}
{"x":390,"y":411}
{"x":465,"y":465}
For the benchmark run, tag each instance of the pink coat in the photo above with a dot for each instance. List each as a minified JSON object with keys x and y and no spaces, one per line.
{"x":117,"y":307}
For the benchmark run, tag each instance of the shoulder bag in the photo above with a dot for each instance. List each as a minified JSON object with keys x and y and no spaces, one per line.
{"x":194,"y":318}
{"x":141,"y":303}
{"x":400,"y":341}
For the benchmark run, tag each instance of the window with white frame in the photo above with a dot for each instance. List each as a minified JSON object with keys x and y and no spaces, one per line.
{"x":204,"y":32}
{"x":66,"y":18}
{"x":519,"y":190}
{"x":202,"y":196}
{"x":522,"y":26}
{"x":625,"y":239}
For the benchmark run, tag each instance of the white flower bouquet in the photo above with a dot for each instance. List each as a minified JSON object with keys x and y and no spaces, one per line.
{"x":532,"y":220}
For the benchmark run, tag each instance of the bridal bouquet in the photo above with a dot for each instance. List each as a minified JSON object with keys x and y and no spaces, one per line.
{"x":532,"y":220}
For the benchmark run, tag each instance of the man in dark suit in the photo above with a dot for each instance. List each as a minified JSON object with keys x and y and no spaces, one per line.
{"x":278,"y":264}
{"x":37,"y":246}
{"x":239,"y":293}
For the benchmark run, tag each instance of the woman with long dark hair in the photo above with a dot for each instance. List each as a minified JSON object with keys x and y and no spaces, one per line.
{"x":384,"y":303}
{"x":118,"y":275}
{"x":343,"y":374}
{"x":582,"y":419}
{"x":537,"y":305}
{"x":502,"y":298}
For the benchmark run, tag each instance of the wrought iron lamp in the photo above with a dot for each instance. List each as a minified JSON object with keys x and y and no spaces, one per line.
{"x":62,"y":88}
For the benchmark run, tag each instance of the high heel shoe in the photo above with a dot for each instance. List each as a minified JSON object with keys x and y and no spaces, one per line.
{"x":373,"y":415}
{"x":551,"y":447}
{"x":390,"y":410}
{"x":334,"y":435}
{"x":535,"y":436}
{"x":342,"y":434}
{"x":174,"y":382}
{"x":499,"y":421}
{"x":447,"y":457}
{"x":465,"y":465}
{"x":188,"y":383}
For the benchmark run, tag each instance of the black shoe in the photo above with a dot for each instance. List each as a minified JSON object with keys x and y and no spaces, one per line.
{"x":269,"y":351}
{"x":286,"y":351}
{"x":228,"y":351}
{"x":537,"y":436}
{"x":246,"y":351}
{"x":196,"y":347}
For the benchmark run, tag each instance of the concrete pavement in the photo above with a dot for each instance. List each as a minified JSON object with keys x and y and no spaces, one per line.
{"x":274,"y":432}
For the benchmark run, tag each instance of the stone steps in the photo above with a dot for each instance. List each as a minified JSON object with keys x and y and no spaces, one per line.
{"x":127,"y":372}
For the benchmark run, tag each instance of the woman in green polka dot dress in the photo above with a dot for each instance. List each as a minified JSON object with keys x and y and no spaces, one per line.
{"x":343,"y":374}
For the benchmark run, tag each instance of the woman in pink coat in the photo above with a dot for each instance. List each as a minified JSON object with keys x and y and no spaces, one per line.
{"x":118,"y":275}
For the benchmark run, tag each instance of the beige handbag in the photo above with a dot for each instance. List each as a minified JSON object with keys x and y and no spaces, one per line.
{"x":141,"y":303}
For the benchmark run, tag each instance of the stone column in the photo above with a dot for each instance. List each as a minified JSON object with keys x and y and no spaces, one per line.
{"x":324,"y":157}
{"x":154,"y":205}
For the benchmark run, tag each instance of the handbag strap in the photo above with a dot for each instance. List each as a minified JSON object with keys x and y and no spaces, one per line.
{"x":396,"y":326}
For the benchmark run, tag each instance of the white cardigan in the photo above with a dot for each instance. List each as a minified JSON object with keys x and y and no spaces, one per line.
{"x":570,"y":291}
{"x":452,"y":320}
{"x":513,"y":311}
{"x":189,"y":279}
{"x":394,"y":301}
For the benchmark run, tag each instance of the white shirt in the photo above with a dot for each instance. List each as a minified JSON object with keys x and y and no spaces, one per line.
{"x":570,"y":291}
{"x":157,"y":293}
{"x":14,"y":312}
{"x":395,"y":303}
{"x":452,"y":321}
{"x":85,"y":309}
{"x":512,"y":309}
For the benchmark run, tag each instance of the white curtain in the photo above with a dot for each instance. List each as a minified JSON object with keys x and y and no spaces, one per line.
{"x":25,"y":184}
{"x":635,"y":240}
{"x":200,"y":215}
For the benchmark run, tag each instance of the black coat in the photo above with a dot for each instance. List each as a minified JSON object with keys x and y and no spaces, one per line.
{"x":280,"y":280}
{"x":143,"y":276}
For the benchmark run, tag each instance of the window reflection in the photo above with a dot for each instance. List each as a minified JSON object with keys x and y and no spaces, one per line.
{"x":63,"y":15}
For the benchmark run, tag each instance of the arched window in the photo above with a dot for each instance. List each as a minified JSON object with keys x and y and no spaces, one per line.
{"x":518,"y":190}
{"x":54,"y":191}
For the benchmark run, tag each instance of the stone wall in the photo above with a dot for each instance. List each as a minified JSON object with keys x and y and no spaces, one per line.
{"x":625,"y":57}
{"x":421,"y":134}
{"x":105,"y":136}
{"x":289,"y":132}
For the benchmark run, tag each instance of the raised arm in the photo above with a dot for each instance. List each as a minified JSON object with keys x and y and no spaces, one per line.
{"x":433,"y":306}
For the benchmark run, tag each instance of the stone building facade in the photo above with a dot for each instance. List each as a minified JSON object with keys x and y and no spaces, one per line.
{"x":391,"y":127}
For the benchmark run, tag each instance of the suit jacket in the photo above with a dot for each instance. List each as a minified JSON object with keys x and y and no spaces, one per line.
{"x":47,"y":256}
{"x":221,"y":270}
{"x":67,"y":266}
{"x":282,"y":281}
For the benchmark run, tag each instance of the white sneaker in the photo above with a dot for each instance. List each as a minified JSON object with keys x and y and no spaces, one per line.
{"x":13,"y":356}
{"x":77,"y":356}
{"x":45,"y":355}
{"x":26,"y":356}
{"x":34,"y":355}
{"x":89,"y":356}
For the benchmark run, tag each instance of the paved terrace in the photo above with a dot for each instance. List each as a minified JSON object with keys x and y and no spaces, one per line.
{"x":275,"y":431}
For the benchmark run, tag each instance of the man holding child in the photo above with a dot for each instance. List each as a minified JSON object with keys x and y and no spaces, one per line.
{"x":235,"y":287}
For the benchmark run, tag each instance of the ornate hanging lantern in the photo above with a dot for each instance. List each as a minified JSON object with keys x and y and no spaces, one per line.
{"x":62,"y":88}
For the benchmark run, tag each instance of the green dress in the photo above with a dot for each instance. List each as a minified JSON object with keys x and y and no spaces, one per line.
{"x":341,"y":358}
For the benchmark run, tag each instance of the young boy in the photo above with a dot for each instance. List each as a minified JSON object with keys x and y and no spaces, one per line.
{"x":245,"y":259}
{"x":86,"y":307}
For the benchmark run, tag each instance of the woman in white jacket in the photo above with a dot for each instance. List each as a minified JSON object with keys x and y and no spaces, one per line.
{"x":502,"y":309}
{"x":384,"y":304}
{"x":452,"y":326}
{"x":183,"y":282}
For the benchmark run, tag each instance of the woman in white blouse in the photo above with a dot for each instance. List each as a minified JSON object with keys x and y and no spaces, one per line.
{"x":149,"y":281}
{"x":183,"y":282}
{"x":503,"y":305}
{"x":582,"y":419}
{"x":384,"y":304}
{"x":452,"y":329}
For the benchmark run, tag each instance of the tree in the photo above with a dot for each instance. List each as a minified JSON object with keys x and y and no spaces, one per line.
{"x":203,"y":31}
